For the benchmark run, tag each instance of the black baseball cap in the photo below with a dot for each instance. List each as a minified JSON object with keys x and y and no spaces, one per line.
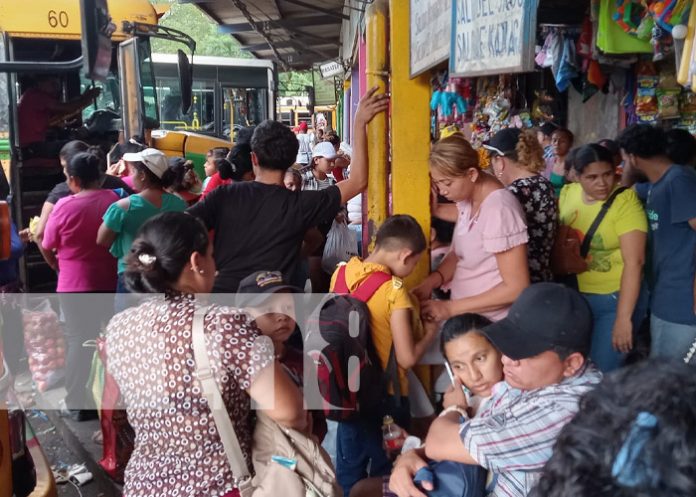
{"x":546,"y":315}
{"x":504,"y":141}
{"x":255,"y":288}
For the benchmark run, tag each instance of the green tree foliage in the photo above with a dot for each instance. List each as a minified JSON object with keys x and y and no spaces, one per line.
{"x":293,"y":83}
{"x":191,"y":20}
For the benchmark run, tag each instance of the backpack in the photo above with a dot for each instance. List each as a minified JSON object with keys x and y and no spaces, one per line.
{"x":349,"y":376}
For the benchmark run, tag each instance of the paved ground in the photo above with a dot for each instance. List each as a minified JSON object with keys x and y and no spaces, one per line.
{"x":66,"y":442}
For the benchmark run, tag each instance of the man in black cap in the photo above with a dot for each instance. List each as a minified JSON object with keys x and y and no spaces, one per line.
{"x":545,"y":341}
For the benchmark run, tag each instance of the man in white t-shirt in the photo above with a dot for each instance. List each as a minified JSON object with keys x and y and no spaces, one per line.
{"x":306,"y":141}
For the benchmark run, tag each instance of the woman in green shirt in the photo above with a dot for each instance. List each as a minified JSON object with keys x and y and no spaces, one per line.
{"x":557,"y":167}
{"x":151,"y":176}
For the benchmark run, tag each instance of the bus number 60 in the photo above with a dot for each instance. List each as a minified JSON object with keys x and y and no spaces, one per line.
{"x":58,"y":18}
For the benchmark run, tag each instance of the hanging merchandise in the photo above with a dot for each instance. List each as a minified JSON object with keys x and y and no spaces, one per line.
{"x":500,"y":104}
{"x":668,"y":92}
{"x":611,"y":37}
{"x":630,"y":15}
{"x":687,"y":108}
{"x":685,"y":69}
{"x":545,"y":57}
{"x":567,"y":70}
{"x":584,"y":44}
{"x":448,"y":103}
{"x":646,"y":101}
{"x":542,"y":108}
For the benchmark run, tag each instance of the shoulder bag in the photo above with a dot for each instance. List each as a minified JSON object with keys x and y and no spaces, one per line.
{"x":568,"y":257}
{"x":287,"y":462}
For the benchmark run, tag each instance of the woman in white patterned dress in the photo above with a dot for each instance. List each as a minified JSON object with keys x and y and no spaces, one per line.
{"x":178,"y":451}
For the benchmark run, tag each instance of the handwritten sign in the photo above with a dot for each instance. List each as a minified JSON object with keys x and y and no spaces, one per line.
{"x":431,"y":21}
{"x":492,"y":37}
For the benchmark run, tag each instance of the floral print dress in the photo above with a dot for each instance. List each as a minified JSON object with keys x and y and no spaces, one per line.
{"x":536,"y":195}
{"x":178,"y":451}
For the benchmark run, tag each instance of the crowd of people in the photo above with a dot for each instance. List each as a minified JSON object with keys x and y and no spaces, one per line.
{"x":546,"y":269}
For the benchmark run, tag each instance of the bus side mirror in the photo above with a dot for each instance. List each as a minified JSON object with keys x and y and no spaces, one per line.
{"x":97,"y":29}
{"x":185,"y":80}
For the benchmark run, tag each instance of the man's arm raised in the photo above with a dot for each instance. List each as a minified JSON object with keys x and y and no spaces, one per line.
{"x":370,"y":105}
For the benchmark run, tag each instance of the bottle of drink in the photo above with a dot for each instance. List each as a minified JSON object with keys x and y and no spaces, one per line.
{"x":392,"y":436}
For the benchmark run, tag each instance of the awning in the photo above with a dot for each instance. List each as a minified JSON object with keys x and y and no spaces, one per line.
{"x":294,"y":33}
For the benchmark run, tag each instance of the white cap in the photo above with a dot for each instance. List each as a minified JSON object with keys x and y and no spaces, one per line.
{"x":153,"y":159}
{"x":325,"y":150}
{"x":347,"y":149}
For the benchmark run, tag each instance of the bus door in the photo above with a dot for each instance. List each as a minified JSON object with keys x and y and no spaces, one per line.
{"x":243,"y":107}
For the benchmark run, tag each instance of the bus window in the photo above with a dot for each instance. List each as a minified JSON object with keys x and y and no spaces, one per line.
{"x":147,"y":80}
{"x":201,"y":115}
{"x":303,"y":116}
{"x":249,"y":105}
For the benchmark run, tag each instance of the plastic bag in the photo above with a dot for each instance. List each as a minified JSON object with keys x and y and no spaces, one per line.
{"x":45,"y":345}
{"x":340,"y":246}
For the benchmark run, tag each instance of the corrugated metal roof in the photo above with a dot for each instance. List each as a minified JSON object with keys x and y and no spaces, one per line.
{"x":295,"y":33}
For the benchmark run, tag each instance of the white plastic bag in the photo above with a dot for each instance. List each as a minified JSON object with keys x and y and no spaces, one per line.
{"x":340,"y":246}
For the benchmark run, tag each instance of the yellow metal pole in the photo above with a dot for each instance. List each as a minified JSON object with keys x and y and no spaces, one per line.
{"x":377,"y":74}
{"x":410,"y":132}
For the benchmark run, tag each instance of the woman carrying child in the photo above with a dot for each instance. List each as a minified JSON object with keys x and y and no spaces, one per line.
{"x":178,"y":447}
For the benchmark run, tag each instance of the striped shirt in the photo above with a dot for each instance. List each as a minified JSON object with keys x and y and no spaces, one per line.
{"x":514,"y":434}
{"x":310,"y":182}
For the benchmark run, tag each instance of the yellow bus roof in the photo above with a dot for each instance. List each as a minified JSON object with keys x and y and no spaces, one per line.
{"x":60,"y":19}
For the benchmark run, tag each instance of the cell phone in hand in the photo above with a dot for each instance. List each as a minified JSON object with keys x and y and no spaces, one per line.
{"x":467,"y":392}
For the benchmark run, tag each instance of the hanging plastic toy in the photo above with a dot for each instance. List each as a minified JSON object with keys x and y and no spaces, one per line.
{"x":671,"y":13}
{"x":629,"y":15}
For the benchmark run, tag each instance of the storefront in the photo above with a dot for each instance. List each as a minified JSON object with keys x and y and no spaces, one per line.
{"x":477,"y":67}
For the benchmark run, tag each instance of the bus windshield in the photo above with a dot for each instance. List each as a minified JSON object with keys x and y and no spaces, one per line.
{"x":109,"y":98}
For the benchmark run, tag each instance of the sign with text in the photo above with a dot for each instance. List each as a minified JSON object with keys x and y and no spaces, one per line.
{"x":331,"y":69}
{"x":431,"y":21}
{"x":492,"y":37}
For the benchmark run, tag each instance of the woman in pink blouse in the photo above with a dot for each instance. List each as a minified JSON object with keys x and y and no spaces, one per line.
{"x":487,"y":267}
{"x":84,"y":269}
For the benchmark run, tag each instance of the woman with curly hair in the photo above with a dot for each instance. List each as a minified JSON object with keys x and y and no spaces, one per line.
{"x":518,"y":161}
{"x":632,"y":437}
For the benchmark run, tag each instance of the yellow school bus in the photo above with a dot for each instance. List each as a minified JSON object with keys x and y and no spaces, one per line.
{"x":293,"y":110}
{"x":50,"y":30}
